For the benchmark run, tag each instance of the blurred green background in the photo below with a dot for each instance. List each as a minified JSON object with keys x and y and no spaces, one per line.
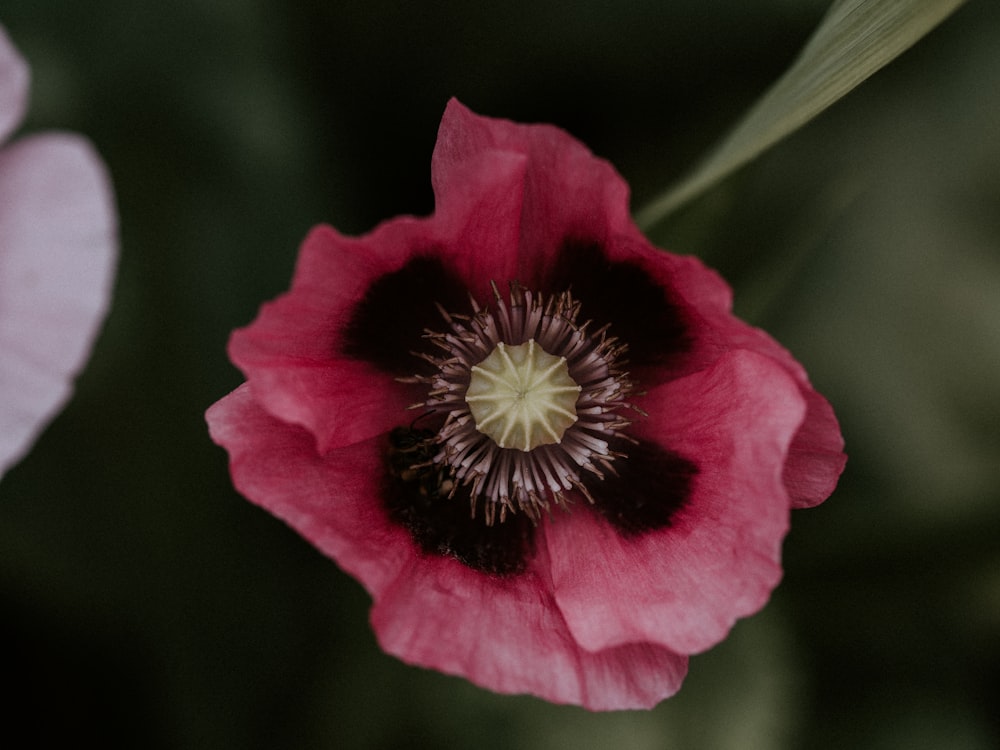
{"x":144,"y":604}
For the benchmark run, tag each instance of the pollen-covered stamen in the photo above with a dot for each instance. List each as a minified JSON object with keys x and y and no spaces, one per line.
{"x":531,"y":400}
{"x":522,"y":396}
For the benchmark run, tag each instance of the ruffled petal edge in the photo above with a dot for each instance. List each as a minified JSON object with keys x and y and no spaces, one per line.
{"x":682,"y":587}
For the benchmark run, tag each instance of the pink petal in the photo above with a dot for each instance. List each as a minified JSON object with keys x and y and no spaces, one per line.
{"x":816,"y":458}
{"x":290,"y":352}
{"x":504,"y":634}
{"x":14,"y":80}
{"x":479,"y":225}
{"x":683,"y":587}
{"x":688,"y":274}
{"x":331,"y":500}
{"x":507,"y":635}
{"x":57,"y":255}
{"x":568,"y":192}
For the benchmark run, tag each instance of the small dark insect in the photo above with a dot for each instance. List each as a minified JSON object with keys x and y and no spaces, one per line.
{"x":411,"y":460}
{"x":423,"y":497}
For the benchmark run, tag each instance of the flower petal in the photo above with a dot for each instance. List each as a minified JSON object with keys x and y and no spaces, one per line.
{"x":505,"y":634}
{"x":331,"y":500}
{"x":326,"y":354}
{"x":816,"y":458}
{"x":508,"y":635}
{"x":615,"y":288}
{"x":479,"y":225}
{"x":567,"y":190}
{"x":684,"y":586}
{"x":14,"y":80}
{"x":57,"y":253}
{"x":292,"y":354}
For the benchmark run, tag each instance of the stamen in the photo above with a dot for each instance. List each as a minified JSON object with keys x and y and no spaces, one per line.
{"x":530,"y":400}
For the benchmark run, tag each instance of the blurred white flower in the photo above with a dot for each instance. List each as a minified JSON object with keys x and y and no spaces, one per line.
{"x":58,"y":246}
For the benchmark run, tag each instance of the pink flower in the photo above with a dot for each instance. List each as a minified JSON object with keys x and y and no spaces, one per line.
{"x":638,"y":504}
{"x":57,"y":254}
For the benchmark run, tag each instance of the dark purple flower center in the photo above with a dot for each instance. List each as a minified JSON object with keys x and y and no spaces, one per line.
{"x":530,"y":400}
{"x":472,"y":478}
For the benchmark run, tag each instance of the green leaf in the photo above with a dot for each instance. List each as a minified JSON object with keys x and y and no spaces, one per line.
{"x":855,"y":39}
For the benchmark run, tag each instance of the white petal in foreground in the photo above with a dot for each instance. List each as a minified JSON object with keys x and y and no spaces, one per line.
{"x":14,"y":78}
{"x":58,"y":245}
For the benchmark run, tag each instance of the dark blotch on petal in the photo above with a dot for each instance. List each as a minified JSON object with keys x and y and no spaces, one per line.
{"x":439,"y":525}
{"x":388,"y":323}
{"x":652,"y":484}
{"x":640,"y":311}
